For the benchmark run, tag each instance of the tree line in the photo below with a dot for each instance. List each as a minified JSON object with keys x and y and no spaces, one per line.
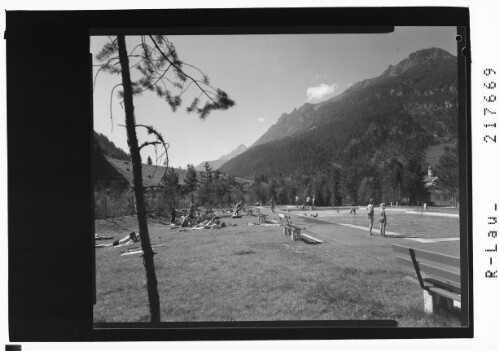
{"x":209,"y":188}
{"x":394,"y":180}
{"x":108,"y":148}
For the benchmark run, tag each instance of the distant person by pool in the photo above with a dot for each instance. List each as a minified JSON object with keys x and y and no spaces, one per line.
{"x":370,"y":215}
{"x":382,"y":220}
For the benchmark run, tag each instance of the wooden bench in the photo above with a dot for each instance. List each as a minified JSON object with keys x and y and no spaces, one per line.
{"x":262,"y":218}
{"x":437,"y":274}
{"x":249,"y":211}
{"x":289,"y":228}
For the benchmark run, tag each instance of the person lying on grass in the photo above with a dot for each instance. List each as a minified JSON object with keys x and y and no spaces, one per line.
{"x":132,"y":237}
{"x":209,"y":224}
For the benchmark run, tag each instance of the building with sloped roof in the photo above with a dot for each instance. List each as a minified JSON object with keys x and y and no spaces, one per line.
{"x":439,"y":194}
{"x":113,"y":187}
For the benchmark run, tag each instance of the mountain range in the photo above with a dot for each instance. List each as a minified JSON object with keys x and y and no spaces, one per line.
{"x":215,"y":164}
{"x":399,"y":115}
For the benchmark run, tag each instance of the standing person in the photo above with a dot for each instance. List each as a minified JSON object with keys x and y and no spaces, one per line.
{"x":297,"y":200}
{"x":272,"y":204}
{"x":382,"y":220}
{"x":191,"y":213}
{"x":239,"y":207}
{"x":313,"y":201}
{"x":370,"y":215}
{"x":308,"y":201}
{"x":173,"y":214}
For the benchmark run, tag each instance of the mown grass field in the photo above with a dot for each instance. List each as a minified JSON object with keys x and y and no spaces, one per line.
{"x":242,"y":273}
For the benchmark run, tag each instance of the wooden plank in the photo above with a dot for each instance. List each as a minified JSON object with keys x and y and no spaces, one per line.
{"x":456,"y":288}
{"x":312,"y":238}
{"x":436,"y":289}
{"x":447,"y":273}
{"x":428,"y":255}
{"x":406,"y":262}
{"x":262,"y":219}
{"x":132,"y":253}
{"x":308,"y":240}
{"x":283,"y":216}
{"x":445,"y":293}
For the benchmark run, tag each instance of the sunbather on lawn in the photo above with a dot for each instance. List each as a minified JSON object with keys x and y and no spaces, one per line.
{"x":130,"y":237}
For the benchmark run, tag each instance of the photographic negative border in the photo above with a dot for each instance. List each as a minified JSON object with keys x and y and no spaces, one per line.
{"x":50,"y":269}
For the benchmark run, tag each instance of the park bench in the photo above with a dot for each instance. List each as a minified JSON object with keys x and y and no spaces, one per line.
{"x":262,"y":218}
{"x":249,"y":212}
{"x":346,"y":208}
{"x":289,"y":228}
{"x":437,"y":274}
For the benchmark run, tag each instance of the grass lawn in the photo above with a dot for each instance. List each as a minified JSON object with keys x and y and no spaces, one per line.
{"x":242,"y":273}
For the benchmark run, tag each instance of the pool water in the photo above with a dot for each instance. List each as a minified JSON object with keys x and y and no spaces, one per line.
{"x":418,"y":225}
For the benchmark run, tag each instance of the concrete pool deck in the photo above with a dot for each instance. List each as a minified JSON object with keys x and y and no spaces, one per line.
{"x":357,"y":237}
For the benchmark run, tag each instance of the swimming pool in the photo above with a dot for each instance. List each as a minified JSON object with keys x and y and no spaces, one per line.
{"x":418,"y":225}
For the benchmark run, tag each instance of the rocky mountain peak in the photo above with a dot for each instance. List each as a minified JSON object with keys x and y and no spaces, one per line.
{"x":420,"y":66}
{"x":396,"y":116}
{"x":420,"y":57}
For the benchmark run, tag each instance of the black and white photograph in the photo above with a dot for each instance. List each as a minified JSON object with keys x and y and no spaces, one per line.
{"x":259,"y":174}
{"x":278,"y":177}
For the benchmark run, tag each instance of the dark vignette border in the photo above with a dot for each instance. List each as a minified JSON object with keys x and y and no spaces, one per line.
{"x":51,"y":270}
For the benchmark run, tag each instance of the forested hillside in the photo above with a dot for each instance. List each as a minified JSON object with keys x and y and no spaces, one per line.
{"x":369,"y":142}
{"x":109,"y":149}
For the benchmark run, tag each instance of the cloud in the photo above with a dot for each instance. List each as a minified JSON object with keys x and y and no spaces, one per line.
{"x":261,"y":119}
{"x":317,"y":92}
{"x":320,"y":76}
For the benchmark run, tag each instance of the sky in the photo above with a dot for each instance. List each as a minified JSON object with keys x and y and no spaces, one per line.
{"x":266,"y":75}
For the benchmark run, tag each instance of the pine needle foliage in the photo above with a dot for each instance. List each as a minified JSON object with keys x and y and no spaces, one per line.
{"x":162,"y":72}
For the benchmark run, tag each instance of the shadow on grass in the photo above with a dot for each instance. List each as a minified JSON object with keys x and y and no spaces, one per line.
{"x":245,"y":252}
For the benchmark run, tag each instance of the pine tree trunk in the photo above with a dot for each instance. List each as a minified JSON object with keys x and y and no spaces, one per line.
{"x":152,"y":283}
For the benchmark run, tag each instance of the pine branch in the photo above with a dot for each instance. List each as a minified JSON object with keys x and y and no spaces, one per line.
{"x":179,"y":69}
{"x":162,"y":75}
{"x":159,"y":141}
{"x":102,"y":67}
{"x":149,"y":143}
{"x":111,"y":104}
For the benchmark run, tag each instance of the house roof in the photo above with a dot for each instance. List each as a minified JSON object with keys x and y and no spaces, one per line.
{"x":429,"y":181}
{"x":435,"y":184}
{"x":151,"y":175}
